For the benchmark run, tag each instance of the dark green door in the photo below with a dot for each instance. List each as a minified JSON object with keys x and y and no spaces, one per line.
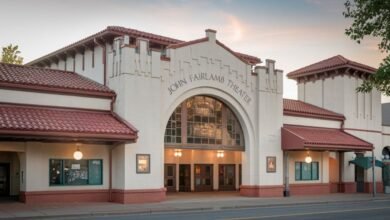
{"x":359,"y":179}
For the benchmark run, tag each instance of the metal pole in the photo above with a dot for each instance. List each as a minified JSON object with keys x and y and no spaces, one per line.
{"x":373,"y":175}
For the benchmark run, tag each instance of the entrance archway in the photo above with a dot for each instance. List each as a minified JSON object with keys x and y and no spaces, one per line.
{"x":204,"y":142}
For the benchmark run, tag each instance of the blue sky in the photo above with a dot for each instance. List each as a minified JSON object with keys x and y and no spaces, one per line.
{"x":295,"y":33}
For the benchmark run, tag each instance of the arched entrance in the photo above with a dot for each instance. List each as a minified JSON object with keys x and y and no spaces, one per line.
{"x":203,"y":143}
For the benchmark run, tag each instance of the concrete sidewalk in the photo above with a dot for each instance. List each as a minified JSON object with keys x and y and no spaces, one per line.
{"x":175,"y":203}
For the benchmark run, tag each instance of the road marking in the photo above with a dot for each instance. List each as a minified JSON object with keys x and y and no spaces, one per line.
{"x":309,"y":213}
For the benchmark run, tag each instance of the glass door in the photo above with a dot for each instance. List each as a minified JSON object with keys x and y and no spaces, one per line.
{"x":203,"y":177}
{"x":227,"y":177}
{"x":184,"y":178}
{"x":170,"y":177}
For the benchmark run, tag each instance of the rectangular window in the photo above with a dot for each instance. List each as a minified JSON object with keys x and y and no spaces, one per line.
{"x":306,"y":171}
{"x":75,"y":172}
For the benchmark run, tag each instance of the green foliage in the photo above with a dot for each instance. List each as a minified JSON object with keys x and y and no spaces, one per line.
{"x":371,"y":18}
{"x":10,"y":55}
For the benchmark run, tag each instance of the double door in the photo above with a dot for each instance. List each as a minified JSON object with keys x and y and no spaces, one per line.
{"x":203,"y":177}
{"x":227,"y":177}
{"x":184,"y":177}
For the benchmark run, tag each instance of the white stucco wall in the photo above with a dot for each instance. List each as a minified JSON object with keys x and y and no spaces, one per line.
{"x":49,"y":99}
{"x":386,"y":136}
{"x":294,"y":120}
{"x":74,"y":64}
{"x":362,"y":111}
{"x":323,"y":162}
{"x":38,"y":154}
{"x":376,"y":139}
{"x":149,"y":89}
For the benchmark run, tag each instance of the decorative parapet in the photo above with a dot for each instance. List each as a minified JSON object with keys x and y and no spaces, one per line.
{"x":138,"y":59}
{"x":269,"y":78}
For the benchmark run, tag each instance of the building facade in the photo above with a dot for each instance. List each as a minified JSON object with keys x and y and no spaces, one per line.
{"x":164,"y":115}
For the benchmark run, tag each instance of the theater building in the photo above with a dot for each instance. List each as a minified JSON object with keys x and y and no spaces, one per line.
{"x":128,"y":116}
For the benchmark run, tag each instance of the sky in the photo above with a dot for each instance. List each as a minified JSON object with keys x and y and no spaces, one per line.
{"x":294,"y":33}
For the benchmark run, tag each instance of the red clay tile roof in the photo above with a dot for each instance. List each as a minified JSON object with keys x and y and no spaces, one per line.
{"x":314,"y":138}
{"x":35,"y":78}
{"x":51,"y":122}
{"x":303,"y":109}
{"x":332,"y":63}
{"x":115,"y":31}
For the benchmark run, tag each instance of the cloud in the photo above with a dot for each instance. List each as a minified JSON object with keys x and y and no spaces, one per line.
{"x":233,"y":29}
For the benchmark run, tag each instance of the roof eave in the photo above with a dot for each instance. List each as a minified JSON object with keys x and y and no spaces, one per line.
{"x":67,"y":91}
{"x":316,"y":116}
{"x":66,"y":136}
{"x":293,"y":75}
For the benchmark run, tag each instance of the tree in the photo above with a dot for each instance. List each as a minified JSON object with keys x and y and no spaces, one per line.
{"x":371,"y":18}
{"x":10,"y":54}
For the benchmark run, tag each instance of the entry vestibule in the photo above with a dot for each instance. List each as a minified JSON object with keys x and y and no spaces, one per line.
{"x":202,"y":170}
{"x":203,"y":146}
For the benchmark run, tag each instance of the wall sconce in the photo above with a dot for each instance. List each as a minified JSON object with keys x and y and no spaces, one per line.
{"x":177,"y":153}
{"x":308,"y":158}
{"x":78,"y":155}
{"x":220,"y":154}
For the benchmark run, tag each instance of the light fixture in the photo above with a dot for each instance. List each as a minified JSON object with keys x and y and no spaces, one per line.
{"x":78,"y":155}
{"x":308,"y":158}
{"x":220,"y":154}
{"x":177,"y":153}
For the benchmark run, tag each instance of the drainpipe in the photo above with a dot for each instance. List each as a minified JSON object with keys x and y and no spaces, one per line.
{"x":104,"y":60}
{"x":373,"y":175}
{"x":110,"y":176}
{"x":286,"y":175}
{"x":112,"y":103}
{"x":340,"y":187}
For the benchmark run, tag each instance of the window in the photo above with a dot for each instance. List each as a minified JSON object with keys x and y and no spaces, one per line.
{"x":173,"y":129}
{"x":306,"y":171}
{"x":204,"y":121}
{"x":75,"y":172}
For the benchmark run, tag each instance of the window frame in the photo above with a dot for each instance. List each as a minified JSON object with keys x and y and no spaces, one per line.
{"x":232,"y":139}
{"x":63,"y":173}
{"x":311,"y":171}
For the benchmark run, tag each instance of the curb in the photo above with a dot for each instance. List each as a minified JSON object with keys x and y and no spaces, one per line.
{"x":174,"y":210}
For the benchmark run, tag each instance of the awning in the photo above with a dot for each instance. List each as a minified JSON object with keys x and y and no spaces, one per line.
{"x":296,"y":137}
{"x":365,"y":162}
{"x":29,"y":122}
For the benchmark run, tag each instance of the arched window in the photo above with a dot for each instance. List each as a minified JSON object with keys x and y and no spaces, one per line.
{"x":203,"y":122}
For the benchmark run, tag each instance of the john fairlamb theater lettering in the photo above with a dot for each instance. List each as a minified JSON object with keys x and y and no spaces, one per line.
{"x":209,"y":77}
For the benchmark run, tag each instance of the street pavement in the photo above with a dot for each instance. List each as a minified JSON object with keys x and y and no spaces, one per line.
{"x":350,"y":210}
{"x":213,"y":205}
